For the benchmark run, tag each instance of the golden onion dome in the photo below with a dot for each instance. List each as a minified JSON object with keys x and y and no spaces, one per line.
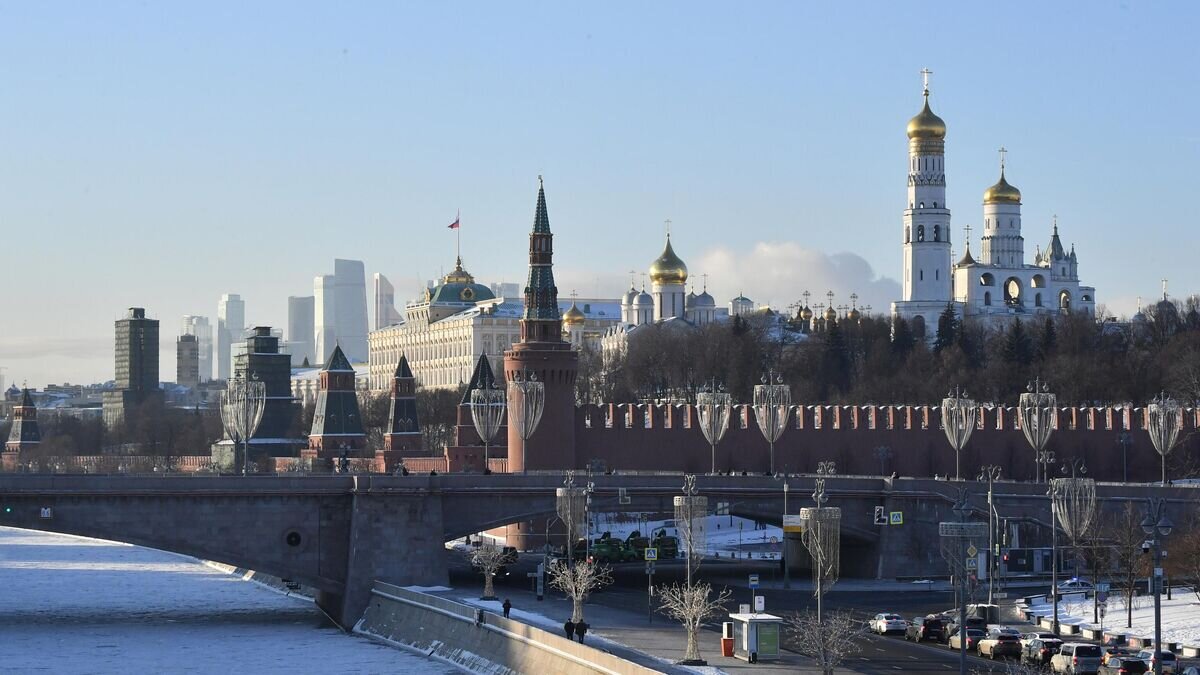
{"x":831,"y":314}
{"x":1002,"y":193}
{"x":668,"y":268}
{"x":574,"y":317}
{"x":855,"y":315}
{"x":926,"y":124}
{"x":806,"y":313}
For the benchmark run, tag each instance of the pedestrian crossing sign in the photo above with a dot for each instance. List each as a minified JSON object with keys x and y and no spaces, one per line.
{"x":896,"y":518}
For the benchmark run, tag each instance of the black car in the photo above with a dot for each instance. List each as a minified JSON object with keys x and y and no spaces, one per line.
{"x":925,"y":628}
{"x":1124,"y":665}
{"x":1041,"y":650}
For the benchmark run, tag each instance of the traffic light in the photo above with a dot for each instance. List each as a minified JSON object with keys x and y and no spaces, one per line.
{"x":1006,"y":558}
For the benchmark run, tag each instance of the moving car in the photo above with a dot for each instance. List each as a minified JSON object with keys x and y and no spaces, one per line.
{"x":1124,"y":665}
{"x":925,"y":628}
{"x":1168,"y":660}
{"x":1040,"y":650}
{"x":1074,"y":658}
{"x":1115,"y":653}
{"x":888,"y":623}
{"x":1000,"y":642}
{"x":974,"y":635}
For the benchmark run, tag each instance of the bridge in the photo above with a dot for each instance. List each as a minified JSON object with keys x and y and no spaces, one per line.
{"x":340,"y":533}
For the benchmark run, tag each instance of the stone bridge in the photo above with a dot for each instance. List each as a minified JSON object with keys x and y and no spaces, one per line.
{"x":339,"y":534}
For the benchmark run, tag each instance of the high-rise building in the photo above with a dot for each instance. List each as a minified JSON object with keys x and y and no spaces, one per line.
{"x":199,"y":326}
{"x":385,"y":303}
{"x":340,"y":311}
{"x":301,"y":330}
{"x":231,"y":323}
{"x":136,"y":365}
{"x":187,"y":361}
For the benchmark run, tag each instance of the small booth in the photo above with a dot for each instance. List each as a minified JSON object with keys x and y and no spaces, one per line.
{"x":756,"y":636}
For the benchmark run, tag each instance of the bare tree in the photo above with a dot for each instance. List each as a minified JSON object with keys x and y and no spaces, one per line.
{"x":1184,"y":562}
{"x":691,"y":605}
{"x":827,"y":640}
{"x":578,"y":581}
{"x":1129,"y":562}
{"x":487,"y":559}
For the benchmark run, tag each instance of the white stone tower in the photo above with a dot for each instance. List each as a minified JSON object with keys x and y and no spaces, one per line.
{"x":1003,"y":244}
{"x":927,"y":218}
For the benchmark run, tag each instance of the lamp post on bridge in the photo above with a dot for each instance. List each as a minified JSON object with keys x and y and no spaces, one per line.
{"x":772,"y":407}
{"x":991,"y":474}
{"x":713,"y":407}
{"x":959,"y":417}
{"x":1156,"y":524}
{"x":1036,"y":409}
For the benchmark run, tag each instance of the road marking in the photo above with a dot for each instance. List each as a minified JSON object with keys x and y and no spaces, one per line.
{"x":914,"y":658}
{"x":897,"y":668}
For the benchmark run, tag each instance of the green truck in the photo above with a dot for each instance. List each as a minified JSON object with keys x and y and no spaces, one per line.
{"x":668,"y":547}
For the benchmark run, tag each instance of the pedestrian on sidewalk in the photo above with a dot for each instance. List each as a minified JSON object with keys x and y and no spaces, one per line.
{"x":507,"y":607}
{"x":581,"y":629}
{"x":569,"y":629}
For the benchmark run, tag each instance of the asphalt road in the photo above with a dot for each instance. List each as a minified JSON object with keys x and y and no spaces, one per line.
{"x":878,"y":655}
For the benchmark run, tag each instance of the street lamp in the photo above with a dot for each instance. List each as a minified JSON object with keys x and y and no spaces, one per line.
{"x":1036,"y":408}
{"x":1157,"y":525}
{"x":883,"y":453}
{"x":1164,"y":421}
{"x":687,"y":507}
{"x":772,"y":407}
{"x":991,"y":474}
{"x":959,"y":415}
{"x":955,"y":537}
{"x":242,"y":405}
{"x":526,"y":400}
{"x":713,"y":407}
{"x":570,"y":504}
{"x":1073,"y":504}
{"x":821,"y":532}
{"x":487,"y":413}
{"x":1125,"y":439}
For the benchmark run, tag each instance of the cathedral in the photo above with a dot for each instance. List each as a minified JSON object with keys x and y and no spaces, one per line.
{"x":998,"y":287}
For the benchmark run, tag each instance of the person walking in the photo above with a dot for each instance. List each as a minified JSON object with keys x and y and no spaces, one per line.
{"x":581,"y":629}
{"x":569,"y":629}
{"x":507,"y":607}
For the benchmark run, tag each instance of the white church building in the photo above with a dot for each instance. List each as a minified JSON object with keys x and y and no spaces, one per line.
{"x":1000,"y":285}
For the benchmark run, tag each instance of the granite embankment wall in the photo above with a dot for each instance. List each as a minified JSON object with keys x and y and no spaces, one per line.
{"x":485,"y":643}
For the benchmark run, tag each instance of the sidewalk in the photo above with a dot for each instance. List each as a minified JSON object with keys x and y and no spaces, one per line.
{"x":629,"y":635}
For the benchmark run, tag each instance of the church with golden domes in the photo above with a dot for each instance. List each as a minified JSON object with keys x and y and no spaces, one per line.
{"x":997,"y":287}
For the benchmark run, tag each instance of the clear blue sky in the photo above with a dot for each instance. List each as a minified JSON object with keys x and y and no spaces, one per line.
{"x":160,"y":154}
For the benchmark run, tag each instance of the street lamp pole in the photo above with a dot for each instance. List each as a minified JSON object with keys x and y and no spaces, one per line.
{"x":1157,"y":525}
{"x":1125,"y":440}
{"x":787,"y":573}
{"x":991,"y":473}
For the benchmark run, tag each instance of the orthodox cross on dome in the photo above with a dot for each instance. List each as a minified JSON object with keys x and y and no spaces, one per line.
{"x":967,"y":229}
{"x":1003,"y":155}
{"x":925,"y":73}
{"x":806,"y":294}
{"x":573,"y":296}
{"x":829,"y":294}
{"x":1056,"y":223}
{"x":1164,"y":283}
{"x":854,"y":301}
{"x":667,"y":222}
{"x":632,"y":278}
{"x":643,"y":281}
{"x":705,"y":278}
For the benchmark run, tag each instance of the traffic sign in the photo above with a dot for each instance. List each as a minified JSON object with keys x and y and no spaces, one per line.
{"x":651,"y":553}
{"x":881,"y":515}
{"x":760,"y":603}
{"x":753,"y":581}
{"x":1102,"y":587}
{"x":650,"y":567}
{"x":897,"y":518}
{"x":1000,"y":595}
{"x":792,"y":523}
{"x":965,"y":530}
{"x":972,"y":563}
{"x":972,"y":551}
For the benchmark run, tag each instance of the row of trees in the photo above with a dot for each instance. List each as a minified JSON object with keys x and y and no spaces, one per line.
{"x":1087,"y":360}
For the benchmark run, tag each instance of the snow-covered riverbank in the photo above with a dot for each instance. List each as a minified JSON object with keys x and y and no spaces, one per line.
{"x":73,"y":605}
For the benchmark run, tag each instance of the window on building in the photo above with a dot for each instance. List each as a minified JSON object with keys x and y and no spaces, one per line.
{"x":920,"y":233}
{"x":922,"y":275}
{"x":937,"y":231}
{"x":987,"y":298}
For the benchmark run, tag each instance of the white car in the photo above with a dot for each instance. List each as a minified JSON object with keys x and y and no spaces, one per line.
{"x":1168,"y":660}
{"x":888,"y":623}
{"x":1075,"y":585}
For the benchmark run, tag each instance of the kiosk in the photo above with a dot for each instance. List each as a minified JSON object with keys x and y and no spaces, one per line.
{"x":756,"y":636}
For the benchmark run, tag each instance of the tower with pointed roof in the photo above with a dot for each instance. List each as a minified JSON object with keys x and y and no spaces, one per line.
{"x":24,"y":434}
{"x":404,"y":426}
{"x":337,"y":427}
{"x":1002,"y":241}
{"x":543,"y":352}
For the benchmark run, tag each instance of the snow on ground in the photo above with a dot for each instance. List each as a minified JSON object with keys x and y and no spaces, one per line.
{"x":1180,"y":614}
{"x":74,"y":605}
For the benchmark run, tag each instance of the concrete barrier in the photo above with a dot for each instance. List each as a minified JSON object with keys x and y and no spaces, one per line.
{"x":478,"y":640}
{"x":1190,"y":652}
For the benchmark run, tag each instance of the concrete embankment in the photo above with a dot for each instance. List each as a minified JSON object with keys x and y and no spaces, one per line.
{"x":477,"y":640}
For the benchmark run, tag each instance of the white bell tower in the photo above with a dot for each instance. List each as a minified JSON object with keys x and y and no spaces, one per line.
{"x":927,"y":219}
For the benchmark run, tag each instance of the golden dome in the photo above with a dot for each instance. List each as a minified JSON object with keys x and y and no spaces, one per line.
{"x":806,"y":313}
{"x":1002,"y":193}
{"x":855,"y":315}
{"x":573,"y":316}
{"x":668,"y":268}
{"x":926,"y":124}
{"x":458,"y":275}
{"x":831,"y":314}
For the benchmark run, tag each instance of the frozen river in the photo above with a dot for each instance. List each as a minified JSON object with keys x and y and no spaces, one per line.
{"x":71,"y":605}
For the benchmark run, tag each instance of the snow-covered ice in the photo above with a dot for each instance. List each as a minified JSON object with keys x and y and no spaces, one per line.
{"x":74,"y":605}
{"x":1180,"y":614}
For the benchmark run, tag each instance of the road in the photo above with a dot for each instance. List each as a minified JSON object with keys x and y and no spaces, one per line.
{"x":878,"y":655}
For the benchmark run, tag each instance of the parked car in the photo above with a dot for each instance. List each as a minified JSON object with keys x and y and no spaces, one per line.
{"x":888,"y":623}
{"x":1191,"y":670}
{"x":925,"y":628}
{"x":1040,"y":650}
{"x":1168,"y":660}
{"x":1074,"y":658}
{"x":1000,"y":642}
{"x":974,"y":635}
{"x":1075,"y":585}
{"x":1124,"y":665}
